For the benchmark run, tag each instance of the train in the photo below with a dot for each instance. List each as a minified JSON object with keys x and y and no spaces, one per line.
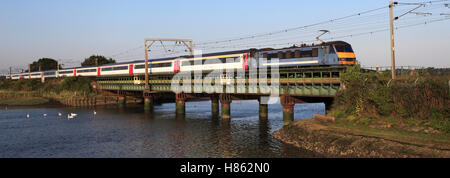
{"x":335,"y":53}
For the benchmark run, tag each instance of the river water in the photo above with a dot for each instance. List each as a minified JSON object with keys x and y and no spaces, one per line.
{"x":132,"y":132}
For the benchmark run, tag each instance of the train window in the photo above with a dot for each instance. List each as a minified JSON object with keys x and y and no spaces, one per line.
{"x":121,"y":68}
{"x":87,"y":70}
{"x":201,"y":62}
{"x":343,"y":48}
{"x":167,"y":64}
{"x":289,"y":54}
{"x":326,"y":75}
{"x":280,"y":55}
{"x":315,"y":52}
{"x":297,"y":54}
{"x":66,"y":72}
{"x":299,"y":75}
{"x":141,"y":66}
{"x":107,"y":69}
{"x":187,"y":63}
{"x":291,"y":75}
{"x":331,"y":50}
{"x":237,"y":59}
{"x":50,"y":73}
{"x":284,"y":75}
{"x":307,"y":53}
{"x":270,"y":56}
{"x":214,"y":61}
{"x":230,"y":60}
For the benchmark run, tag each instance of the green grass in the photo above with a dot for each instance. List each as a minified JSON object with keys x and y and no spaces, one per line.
{"x":438,"y":140}
{"x":23,"y":101}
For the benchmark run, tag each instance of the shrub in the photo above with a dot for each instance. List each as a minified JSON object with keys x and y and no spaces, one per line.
{"x":372,"y":94}
{"x":339,"y":114}
{"x":440,"y":125}
{"x":79,"y":85}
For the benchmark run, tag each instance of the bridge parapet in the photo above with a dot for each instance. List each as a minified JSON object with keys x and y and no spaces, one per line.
{"x":288,"y":82}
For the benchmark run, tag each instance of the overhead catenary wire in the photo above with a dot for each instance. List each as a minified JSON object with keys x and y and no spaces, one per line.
{"x":357,"y":24}
{"x":338,"y":24}
{"x":336,"y":37}
{"x":291,"y":29}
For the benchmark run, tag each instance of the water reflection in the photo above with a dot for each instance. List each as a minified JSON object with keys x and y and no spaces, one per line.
{"x":177,"y":137}
{"x":264,"y":131}
{"x":225,"y":145}
{"x":132,"y":131}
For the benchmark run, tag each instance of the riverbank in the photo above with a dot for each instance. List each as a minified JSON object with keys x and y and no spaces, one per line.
{"x":24,"y":101}
{"x":71,"y":99}
{"x":340,"y":139}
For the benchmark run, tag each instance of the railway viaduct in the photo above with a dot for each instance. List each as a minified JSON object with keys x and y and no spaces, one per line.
{"x":292,"y":86}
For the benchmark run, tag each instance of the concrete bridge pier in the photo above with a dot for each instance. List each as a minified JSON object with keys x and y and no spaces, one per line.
{"x":263,"y":109}
{"x":148,"y":103}
{"x":288,"y":104}
{"x":122,"y":100}
{"x":215,"y":105}
{"x":180,"y":103}
{"x":225,"y":101}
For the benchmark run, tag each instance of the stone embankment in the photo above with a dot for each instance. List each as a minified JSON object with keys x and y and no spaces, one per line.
{"x":95,"y":101}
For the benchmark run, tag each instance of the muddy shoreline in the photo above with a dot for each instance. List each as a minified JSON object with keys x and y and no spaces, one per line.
{"x":315,"y":136}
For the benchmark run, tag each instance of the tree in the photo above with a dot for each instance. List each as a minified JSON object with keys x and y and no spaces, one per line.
{"x":95,"y":60}
{"x":44,"y":64}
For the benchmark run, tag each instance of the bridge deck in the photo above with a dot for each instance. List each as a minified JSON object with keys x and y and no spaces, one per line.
{"x":295,"y":82}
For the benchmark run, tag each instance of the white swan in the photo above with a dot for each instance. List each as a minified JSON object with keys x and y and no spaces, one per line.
{"x":71,"y":115}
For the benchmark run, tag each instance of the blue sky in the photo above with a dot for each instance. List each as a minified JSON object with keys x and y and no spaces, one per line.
{"x":72,"y":30}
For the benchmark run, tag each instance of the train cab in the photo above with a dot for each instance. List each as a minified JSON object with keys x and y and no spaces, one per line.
{"x":345,"y":53}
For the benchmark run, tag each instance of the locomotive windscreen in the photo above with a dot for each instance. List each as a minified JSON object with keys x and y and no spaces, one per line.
{"x":344,"y":48}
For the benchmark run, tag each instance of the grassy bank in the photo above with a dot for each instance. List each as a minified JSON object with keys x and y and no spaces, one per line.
{"x":33,"y":92}
{"x":418,"y":102}
{"x":435,"y":140}
{"x":375,"y":116}
{"x":342,"y":140}
{"x":24,"y":101}
{"x":79,"y":86}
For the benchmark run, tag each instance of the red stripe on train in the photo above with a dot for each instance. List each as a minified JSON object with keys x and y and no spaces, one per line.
{"x":130,"y":69}
{"x":98,"y":71}
{"x":245,"y":61}
{"x":176,"y":66}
